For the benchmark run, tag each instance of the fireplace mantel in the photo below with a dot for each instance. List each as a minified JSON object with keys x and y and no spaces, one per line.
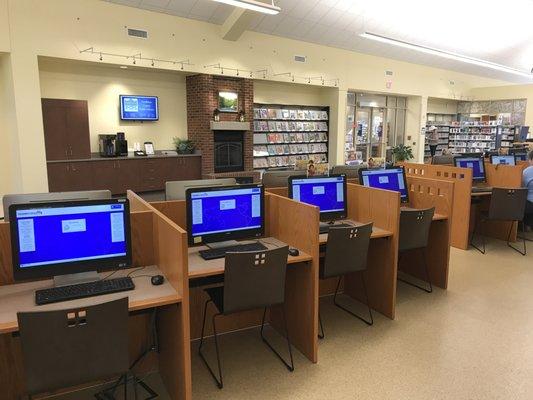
{"x":230,"y":126}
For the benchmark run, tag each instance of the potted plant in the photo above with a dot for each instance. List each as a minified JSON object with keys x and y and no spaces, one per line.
{"x":184,"y":146}
{"x":402,"y":153}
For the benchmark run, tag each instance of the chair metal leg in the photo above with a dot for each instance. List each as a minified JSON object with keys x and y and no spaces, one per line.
{"x":482,"y":251}
{"x":321,"y":333}
{"x":368,"y":322}
{"x":219,"y":381}
{"x":290,"y":366}
{"x":426,"y":270}
{"x":523,"y":238}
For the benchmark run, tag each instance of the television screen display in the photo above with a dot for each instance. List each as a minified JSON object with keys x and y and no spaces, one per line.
{"x":139,"y":108}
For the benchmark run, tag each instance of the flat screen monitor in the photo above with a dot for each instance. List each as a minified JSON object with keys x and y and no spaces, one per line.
{"x":519,"y":154}
{"x":50,"y":239}
{"x":9,"y":199}
{"x":502,"y":160}
{"x":220,"y":213}
{"x":139,"y":108}
{"x":388,"y":179}
{"x":475,"y":163}
{"x":326,"y":192}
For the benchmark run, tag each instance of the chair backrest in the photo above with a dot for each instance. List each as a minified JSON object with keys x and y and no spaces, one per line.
{"x":414,"y":228}
{"x":254,"y":279}
{"x":66,"y":348}
{"x":346,"y":250}
{"x":278,"y":178}
{"x":351,"y":171}
{"x":508,"y":204}
{"x":175,"y":190}
{"x":442,"y":160}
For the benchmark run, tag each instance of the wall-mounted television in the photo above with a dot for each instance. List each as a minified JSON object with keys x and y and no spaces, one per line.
{"x":139,"y":108}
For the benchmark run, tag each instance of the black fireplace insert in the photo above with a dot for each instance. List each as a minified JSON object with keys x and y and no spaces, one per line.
{"x":229,"y":151}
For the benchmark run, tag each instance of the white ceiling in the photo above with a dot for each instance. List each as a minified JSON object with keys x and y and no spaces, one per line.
{"x":496,"y":31}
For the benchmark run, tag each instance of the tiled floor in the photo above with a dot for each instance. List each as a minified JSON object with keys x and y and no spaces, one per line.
{"x":473,"y":341}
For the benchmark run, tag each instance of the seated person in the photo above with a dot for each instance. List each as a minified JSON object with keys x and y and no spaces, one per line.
{"x":527,"y":181}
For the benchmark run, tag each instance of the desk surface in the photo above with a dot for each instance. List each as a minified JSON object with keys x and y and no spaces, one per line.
{"x":199,"y":268}
{"x":376,"y":232}
{"x":479,"y":194}
{"x":21,"y":297}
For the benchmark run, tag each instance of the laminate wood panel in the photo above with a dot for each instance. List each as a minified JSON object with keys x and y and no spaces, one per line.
{"x":461,"y":204}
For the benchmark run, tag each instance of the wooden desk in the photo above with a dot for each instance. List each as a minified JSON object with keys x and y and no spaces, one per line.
{"x":155,"y":241}
{"x":200,"y":268}
{"x":377,"y":233}
{"x":21,"y":297}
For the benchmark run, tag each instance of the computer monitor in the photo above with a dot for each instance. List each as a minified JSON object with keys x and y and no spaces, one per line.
{"x":9,"y":199}
{"x":475,"y":163}
{"x":216,"y":214}
{"x":51,"y":239}
{"x":502,"y":160}
{"x":392,"y":178}
{"x":326,"y":192}
{"x":519,"y":154}
{"x":176,"y":190}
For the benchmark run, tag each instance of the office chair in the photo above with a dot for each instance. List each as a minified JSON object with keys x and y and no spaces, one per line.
{"x":442,"y":160}
{"x":351,"y":171}
{"x":66,"y":348}
{"x":505,"y":205}
{"x":251,"y":280}
{"x":414,"y":235}
{"x":272,"y":179}
{"x":346,"y":253}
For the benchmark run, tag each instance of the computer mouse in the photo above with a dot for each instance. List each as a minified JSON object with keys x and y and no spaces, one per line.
{"x":158,"y":280}
{"x":294,"y":252}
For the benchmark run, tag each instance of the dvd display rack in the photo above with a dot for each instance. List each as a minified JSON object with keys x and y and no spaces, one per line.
{"x":284,"y":134}
{"x":480,"y":137}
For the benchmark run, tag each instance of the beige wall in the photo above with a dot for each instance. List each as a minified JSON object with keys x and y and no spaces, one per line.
{"x":62,"y":28}
{"x":442,"y":106}
{"x":506,"y":93}
{"x":4,"y":27}
{"x":101,"y":87}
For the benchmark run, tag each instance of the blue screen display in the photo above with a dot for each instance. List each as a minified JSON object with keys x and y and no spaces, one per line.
{"x":57,"y":235}
{"x":474,"y":163}
{"x":139,"y":108}
{"x":503,"y":160}
{"x":327,"y":193}
{"x":220,"y":211}
{"x":388,"y":179}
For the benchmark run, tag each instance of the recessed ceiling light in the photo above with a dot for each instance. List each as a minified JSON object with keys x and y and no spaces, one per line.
{"x":253,"y":5}
{"x":124,"y":67}
{"x":445,"y":54}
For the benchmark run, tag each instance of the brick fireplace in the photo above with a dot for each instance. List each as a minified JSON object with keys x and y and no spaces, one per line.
{"x":202,"y":100}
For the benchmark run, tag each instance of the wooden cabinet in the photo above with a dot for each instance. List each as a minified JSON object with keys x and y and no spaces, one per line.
{"x":69,"y":176}
{"x":66,"y":129}
{"x":119,"y":175}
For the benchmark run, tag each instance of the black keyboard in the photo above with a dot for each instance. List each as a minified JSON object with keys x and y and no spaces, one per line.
{"x":72,"y":292}
{"x":481,"y":189}
{"x":325,"y":228}
{"x":211,"y":254}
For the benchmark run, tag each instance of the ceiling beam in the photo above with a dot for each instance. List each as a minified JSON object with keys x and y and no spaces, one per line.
{"x":235,"y":25}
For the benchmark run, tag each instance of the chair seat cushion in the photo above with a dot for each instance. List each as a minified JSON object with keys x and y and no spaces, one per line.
{"x":216,"y":294}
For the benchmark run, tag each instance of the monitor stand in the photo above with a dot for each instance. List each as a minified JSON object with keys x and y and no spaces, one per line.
{"x":327,"y":224}
{"x":220,"y":245}
{"x":75,"y":279}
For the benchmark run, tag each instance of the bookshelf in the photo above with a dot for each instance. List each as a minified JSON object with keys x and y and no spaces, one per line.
{"x":284,"y":134}
{"x":479,"y":137}
{"x":444,"y":131}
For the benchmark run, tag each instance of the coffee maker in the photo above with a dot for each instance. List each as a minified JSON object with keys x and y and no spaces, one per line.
{"x":121,"y":145}
{"x":107,"y":145}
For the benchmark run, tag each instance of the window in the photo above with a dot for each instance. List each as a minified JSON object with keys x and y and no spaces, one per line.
{"x":374,"y":124}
